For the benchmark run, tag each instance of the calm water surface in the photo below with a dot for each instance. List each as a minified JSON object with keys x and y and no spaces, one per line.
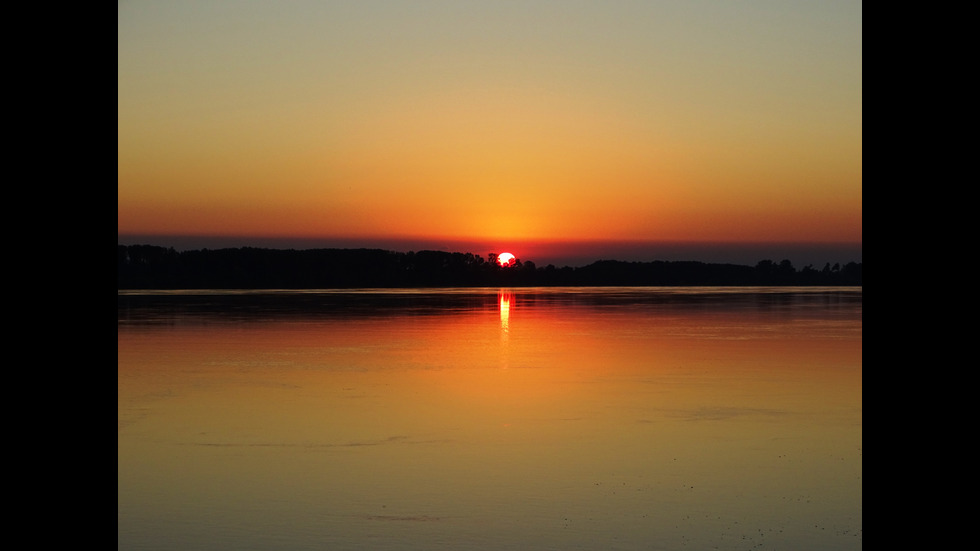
{"x":489,"y":419}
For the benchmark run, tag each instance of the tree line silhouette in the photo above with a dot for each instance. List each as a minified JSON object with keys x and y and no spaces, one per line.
{"x":155,"y":267}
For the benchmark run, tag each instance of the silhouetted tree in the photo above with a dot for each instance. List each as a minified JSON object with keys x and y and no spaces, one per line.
{"x":151,"y":267}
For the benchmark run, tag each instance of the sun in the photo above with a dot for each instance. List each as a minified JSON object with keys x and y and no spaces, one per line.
{"x":505,"y":259}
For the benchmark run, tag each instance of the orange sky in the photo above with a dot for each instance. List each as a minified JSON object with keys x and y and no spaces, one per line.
{"x":511,"y":121}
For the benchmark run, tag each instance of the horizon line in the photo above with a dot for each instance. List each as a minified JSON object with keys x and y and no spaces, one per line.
{"x":567,"y":252}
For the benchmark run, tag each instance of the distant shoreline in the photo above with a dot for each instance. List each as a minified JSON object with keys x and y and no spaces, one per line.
{"x":156,"y":267}
{"x":570,"y":252}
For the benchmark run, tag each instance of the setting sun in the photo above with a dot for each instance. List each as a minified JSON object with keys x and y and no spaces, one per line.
{"x":505,"y":259}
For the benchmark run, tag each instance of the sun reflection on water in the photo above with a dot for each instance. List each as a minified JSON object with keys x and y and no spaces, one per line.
{"x":504,"y":297}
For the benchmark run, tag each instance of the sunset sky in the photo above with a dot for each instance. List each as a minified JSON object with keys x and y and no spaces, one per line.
{"x":529,"y":126}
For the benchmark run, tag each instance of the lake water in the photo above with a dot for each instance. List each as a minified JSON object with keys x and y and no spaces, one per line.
{"x":490,"y":419}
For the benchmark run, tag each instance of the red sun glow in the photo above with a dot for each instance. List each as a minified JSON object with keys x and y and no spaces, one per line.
{"x":505,"y":259}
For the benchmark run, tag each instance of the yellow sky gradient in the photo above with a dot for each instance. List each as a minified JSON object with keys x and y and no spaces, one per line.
{"x":531,"y":121}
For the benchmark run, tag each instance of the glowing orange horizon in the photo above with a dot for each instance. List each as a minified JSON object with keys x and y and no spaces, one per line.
{"x":460,"y":137}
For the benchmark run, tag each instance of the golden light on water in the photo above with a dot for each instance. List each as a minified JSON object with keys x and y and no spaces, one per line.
{"x":688,"y":422}
{"x":504,"y":313}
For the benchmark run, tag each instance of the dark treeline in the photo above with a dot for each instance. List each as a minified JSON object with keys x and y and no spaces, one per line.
{"x":153,"y":267}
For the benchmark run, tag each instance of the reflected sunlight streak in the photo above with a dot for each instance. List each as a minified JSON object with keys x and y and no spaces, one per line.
{"x":504,"y":297}
{"x":504,"y":313}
